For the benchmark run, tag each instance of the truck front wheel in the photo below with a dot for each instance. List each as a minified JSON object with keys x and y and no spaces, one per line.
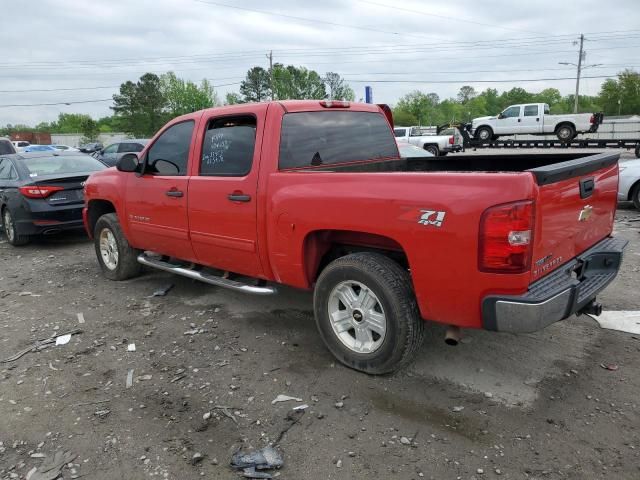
{"x":117,"y":259}
{"x":367,"y":314}
{"x":485,"y":134}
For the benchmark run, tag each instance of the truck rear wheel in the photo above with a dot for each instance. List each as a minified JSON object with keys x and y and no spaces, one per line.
{"x":635,"y":196}
{"x":433,"y":150}
{"x":367,"y":314}
{"x":117,"y":259}
{"x":566,"y":132}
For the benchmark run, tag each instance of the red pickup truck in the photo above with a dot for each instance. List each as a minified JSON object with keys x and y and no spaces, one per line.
{"x":313,"y":194}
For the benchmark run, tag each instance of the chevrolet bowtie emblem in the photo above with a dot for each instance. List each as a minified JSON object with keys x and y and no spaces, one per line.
{"x":585,"y":213}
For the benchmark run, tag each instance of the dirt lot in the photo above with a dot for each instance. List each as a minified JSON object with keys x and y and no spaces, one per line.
{"x":536,"y":406}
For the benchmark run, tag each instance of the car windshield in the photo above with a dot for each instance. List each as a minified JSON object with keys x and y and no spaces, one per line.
{"x":39,"y":166}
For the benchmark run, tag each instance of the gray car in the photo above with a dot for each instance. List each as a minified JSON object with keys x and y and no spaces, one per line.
{"x":629,"y":184}
{"x":111,"y":154}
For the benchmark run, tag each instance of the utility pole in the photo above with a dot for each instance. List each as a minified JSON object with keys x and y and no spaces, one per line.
{"x":270,"y":57}
{"x":580,"y":55}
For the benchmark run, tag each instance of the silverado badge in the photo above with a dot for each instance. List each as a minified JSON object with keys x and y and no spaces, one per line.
{"x":585,"y":213}
{"x":432,"y":217}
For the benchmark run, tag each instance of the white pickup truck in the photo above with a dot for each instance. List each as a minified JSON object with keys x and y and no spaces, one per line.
{"x":426,"y":138}
{"x":534,"y":119}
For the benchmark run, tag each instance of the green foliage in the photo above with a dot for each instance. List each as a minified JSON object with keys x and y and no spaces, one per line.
{"x":466,"y":93}
{"x":140,"y":107}
{"x":402,"y":118}
{"x":298,"y":83}
{"x":185,"y":96}
{"x":625,"y":90}
{"x":256,"y":86}
{"x":233,"y":98}
{"x":90,"y":130}
{"x":337,"y":89}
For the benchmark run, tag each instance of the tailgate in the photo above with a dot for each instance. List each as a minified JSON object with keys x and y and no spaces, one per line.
{"x":575,"y":209}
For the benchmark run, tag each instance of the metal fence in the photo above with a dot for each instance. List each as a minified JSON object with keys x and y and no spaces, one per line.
{"x":74,"y":139}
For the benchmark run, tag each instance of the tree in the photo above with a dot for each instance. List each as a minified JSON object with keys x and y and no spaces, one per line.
{"x":337,"y":88}
{"x":90,"y":130}
{"x":421,"y":106}
{"x":403,"y":118}
{"x":256,"y":86}
{"x":550,"y":96}
{"x":466,"y":93}
{"x":185,"y":96}
{"x":232,"y":98}
{"x":140,"y":107}
{"x":298,"y":83}
{"x":625,"y":90}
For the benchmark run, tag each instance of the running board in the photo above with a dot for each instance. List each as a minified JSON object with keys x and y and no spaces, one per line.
{"x":204,"y":277}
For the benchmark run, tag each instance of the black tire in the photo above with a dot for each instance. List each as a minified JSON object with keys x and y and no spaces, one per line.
{"x":484,"y":134}
{"x":635,"y":196}
{"x":10,"y":231}
{"x":637,"y":151}
{"x":392,"y":286}
{"x":566,"y":132}
{"x":126,"y":264}
{"x":432,"y":149}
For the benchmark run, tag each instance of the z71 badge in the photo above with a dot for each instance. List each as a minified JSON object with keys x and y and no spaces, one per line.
{"x":432,"y":217}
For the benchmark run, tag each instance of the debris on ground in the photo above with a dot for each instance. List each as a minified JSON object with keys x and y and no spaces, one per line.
{"x":38,"y":345}
{"x":250,"y":462}
{"x":284,"y":398}
{"x":130,"y":378}
{"x":63,"y":339}
{"x":51,"y":467}
{"x":457,"y":409}
{"x":609,"y":366}
{"x":80,"y":317}
{"x":197,"y":458}
{"x":131,"y":347}
{"x":162,"y":291}
{"x":304,"y":406}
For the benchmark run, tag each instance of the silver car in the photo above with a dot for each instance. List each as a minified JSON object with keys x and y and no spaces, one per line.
{"x":111,"y":154}
{"x":629,"y":186}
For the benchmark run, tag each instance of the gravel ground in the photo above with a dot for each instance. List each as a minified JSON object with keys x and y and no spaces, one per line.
{"x":537,"y":406}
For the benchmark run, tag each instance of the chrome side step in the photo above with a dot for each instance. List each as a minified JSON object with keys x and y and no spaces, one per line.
{"x":204,"y":277}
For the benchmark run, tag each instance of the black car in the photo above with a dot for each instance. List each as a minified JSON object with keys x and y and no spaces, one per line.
{"x":41,"y":193}
{"x":91,"y":147}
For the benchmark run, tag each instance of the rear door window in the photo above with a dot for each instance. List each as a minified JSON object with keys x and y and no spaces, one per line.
{"x":228,"y":147}
{"x":169,"y":154}
{"x":329,"y":137}
{"x":111,"y":149}
{"x":531,"y":111}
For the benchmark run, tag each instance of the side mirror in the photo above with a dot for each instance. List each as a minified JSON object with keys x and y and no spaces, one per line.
{"x":500,"y":116}
{"x":128,"y":163}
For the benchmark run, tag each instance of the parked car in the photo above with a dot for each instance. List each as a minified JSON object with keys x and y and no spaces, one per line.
{"x":6,"y":146}
{"x":313,"y":194}
{"x":91,"y":147}
{"x":427,"y":139}
{"x":39,"y":148}
{"x":20,"y":145}
{"x":41,"y":193}
{"x":110,"y":155}
{"x":629,"y":185}
{"x":411,"y":151}
{"x":65,"y":148}
{"x":534,"y":119}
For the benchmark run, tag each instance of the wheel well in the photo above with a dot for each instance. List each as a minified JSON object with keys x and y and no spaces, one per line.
{"x":96,"y":209}
{"x":324,"y":246}
{"x":562,"y":124}
{"x":633,"y":189}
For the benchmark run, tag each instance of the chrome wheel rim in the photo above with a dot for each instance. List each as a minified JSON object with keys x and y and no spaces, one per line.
{"x":108,"y":249}
{"x":484,"y":134}
{"x":357,"y":317}
{"x":564,"y":133}
{"x":8,"y":225}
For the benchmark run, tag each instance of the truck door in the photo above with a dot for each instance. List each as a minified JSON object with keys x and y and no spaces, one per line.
{"x":531,"y":120}
{"x":222,"y":191}
{"x":156,"y":202}
{"x":508,"y":121}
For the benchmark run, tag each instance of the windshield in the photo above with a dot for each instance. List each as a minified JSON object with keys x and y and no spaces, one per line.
{"x":399,"y":132}
{"x":39,"y":166}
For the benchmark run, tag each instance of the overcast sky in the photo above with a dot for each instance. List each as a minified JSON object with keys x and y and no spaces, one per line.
{"x":395,"y":46}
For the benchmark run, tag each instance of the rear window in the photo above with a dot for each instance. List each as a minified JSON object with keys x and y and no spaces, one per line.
{"x":325,"y":138}
{"x":39,"y":166}
{"x":400,"y":132}
{"x":6,"y":148}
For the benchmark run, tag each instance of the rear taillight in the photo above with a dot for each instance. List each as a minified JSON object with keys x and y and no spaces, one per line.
{"x":38,"y":191}
{"x":451,"y":140}
{"x":506,"y":238}
{"x":592,"y":120}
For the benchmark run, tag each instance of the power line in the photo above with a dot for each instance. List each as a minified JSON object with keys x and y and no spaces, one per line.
{"x":464,"y":20}
{"x":508,"y":80}
{"x":315,"y":21}
{"x":56,"y":103}
{"x":94,"y":88}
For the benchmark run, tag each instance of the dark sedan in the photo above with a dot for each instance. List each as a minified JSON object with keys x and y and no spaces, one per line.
{"x":42,"y":193}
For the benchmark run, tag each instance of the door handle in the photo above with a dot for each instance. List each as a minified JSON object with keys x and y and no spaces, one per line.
{"x":239,"y":197}
{"x":538,"y":119}
{"x":174,"y":193}
{"x":519,"y":120}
